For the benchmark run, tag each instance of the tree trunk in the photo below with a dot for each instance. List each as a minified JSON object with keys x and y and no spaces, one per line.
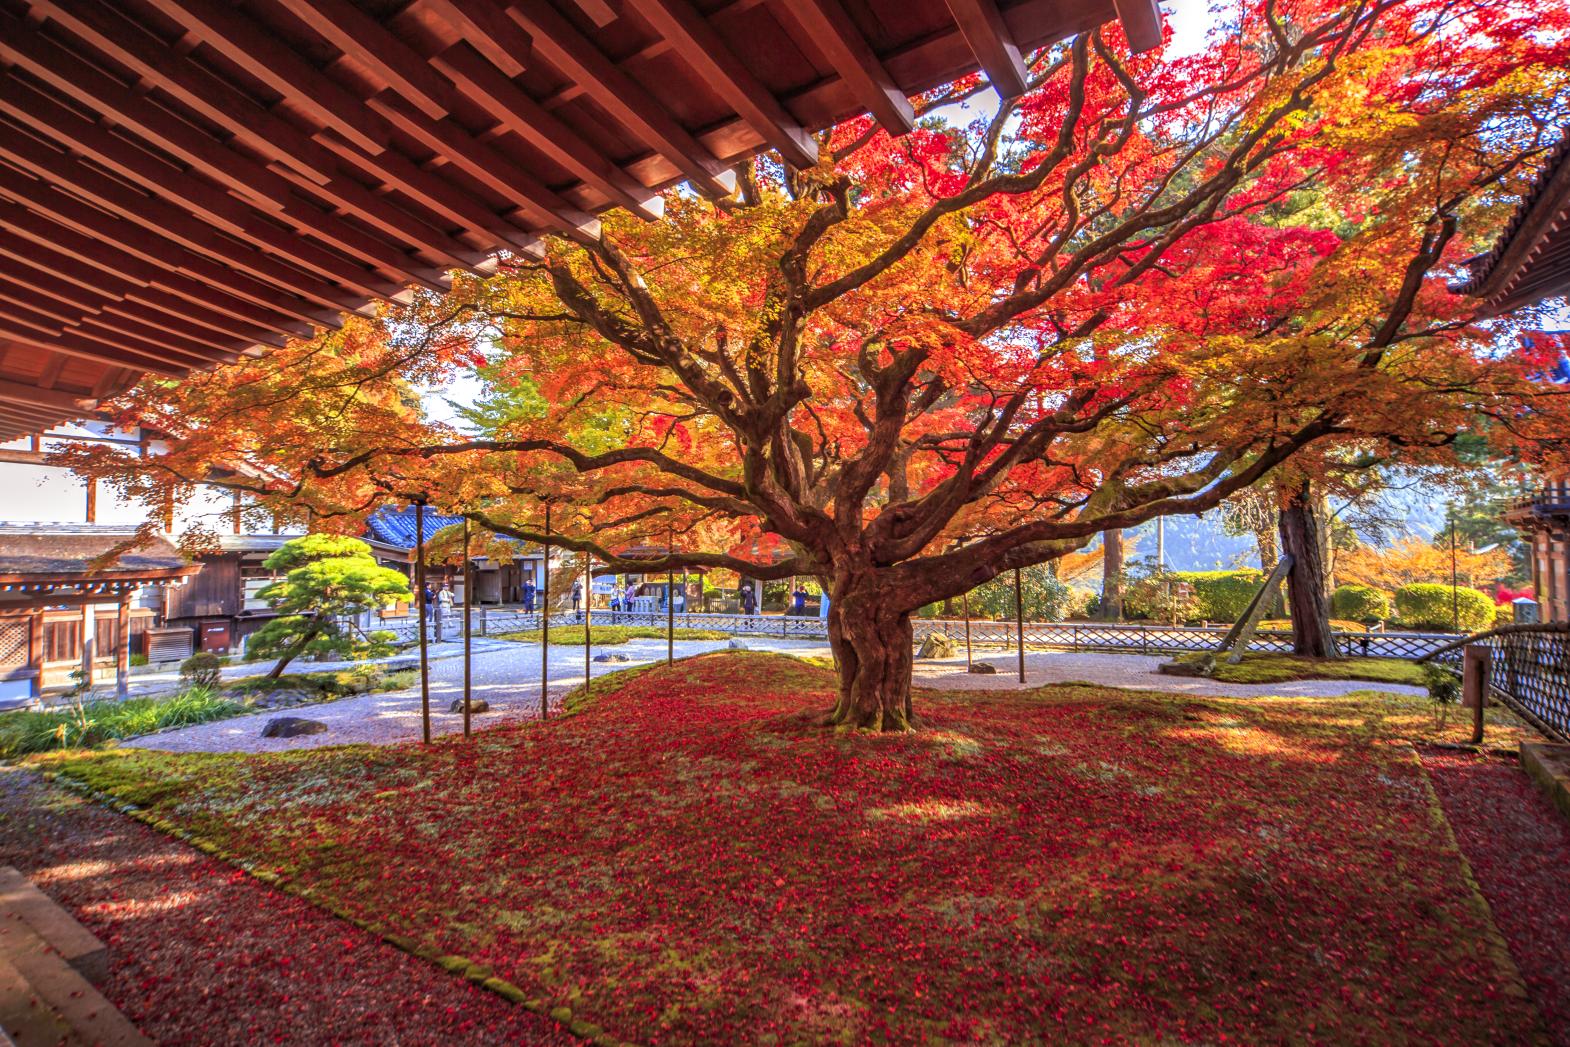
{"x":1269,"y":554}
{"x":295,"y":651}
{"x":1307,"y":597}
{"x":1112,"y":575}
{"x":873,"y":647}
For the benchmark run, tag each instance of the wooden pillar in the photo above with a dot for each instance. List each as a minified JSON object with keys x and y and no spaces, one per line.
{"x":89,"y":638}
{"x":35,"y":649}
{"x":468,"y":604}
{"x":670,"y":599}
{"x":588,"y":619}
{"x":122,"y":659}
{"x":1019,"y":621}
{"x":420,"y":604}
{"x":966,"y":600}
{"x":1476,"y":661}
{"x":91,"y":515}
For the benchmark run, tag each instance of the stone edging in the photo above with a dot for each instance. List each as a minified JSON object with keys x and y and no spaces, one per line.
{"x":1499,"y":949}
{"x":452,"y":963}
{"x":1549,"y":765}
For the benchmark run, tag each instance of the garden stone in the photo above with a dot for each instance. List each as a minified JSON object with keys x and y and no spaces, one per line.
{"x":983,"y":669}
{"x":292,"y":727}
{"x":937,"y":646}
{"x":476,"y":705}
{"x":612,"y":656}
{"x":738,"y":645}
{"x":400,"y":665}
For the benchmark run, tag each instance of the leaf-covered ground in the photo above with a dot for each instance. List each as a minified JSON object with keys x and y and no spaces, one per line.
{"x":688,"y":859}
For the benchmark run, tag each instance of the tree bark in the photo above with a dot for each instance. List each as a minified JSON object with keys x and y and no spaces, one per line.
{"x":1112,"y":575}
{"x":299,"y":647}
{"x":1269,"y":554}
{"x":874,"y":648}
{"x":1301,"y":535}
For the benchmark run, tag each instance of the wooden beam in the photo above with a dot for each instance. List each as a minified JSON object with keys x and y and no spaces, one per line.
{"x":988,"y":36}
{"x":1141,"y":23}
{"x":43,"y":399}
{"x":570,"y":51}
{"x":263,"y":54}
{"x":84,"y":348}
{"x":485,"y":165}
{"x":728,"y":76}
{"x":121,"y":249}
{"x":540,"y":128}
{"x":368,"y":42}
{"x":829,"y":26}
{"x":489,"y":31}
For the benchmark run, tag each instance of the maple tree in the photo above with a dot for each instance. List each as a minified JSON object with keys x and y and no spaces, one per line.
{"x":1135,"y":291}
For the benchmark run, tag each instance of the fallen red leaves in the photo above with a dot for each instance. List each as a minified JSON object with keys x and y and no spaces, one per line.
{"x":691,"y":860}
{"x":1519,"y":848}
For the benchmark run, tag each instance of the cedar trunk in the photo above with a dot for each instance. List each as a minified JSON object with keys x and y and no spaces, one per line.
{"x":1306,"y":594}
{"x":1112,"y":575}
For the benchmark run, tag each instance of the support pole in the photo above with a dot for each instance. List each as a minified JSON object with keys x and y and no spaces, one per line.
{"x":1476,"y":661}
{"x":122,"y":658}
{"x":1019,"y":621}
{"x":425,"y":654}
{"x":588,"y":615}
{"x":89,"y":642}
{"x":545,"y":620}
{"x":468,"y":622}
{"x":670,"y":598}
{"x":966,"y":600}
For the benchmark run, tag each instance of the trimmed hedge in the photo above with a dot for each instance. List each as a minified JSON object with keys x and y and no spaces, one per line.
{"x":1429,"y":606}
{"x":1359,"y":603}
{"x":1218,"y":596}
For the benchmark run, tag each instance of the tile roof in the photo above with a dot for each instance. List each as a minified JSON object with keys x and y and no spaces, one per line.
{"x":54,"y":549}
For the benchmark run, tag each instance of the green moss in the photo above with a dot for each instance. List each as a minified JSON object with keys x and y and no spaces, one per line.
{"x":606,"y":635}
{"x":1280,"y":668}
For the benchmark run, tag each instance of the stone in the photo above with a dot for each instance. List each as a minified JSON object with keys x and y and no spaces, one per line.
{"x":937,"y":645}
{"x":400,"y":665}
{"x":739,"y":645}
{"x":983,"y":669}
{"x":612,"y":656}
{"x":292,"y":727}
{"x":476,"y":705}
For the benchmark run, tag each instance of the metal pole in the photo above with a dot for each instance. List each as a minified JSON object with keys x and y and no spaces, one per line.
{"x":588,"y":612}
{"x":425,"y":654}
{"x":966,"y":600}
{"x":545,"y":620}
{"x":468,"y":622}
{"x":1019,"y":622}
{"x":670,"y":597}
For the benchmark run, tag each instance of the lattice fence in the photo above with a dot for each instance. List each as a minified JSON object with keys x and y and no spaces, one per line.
{"x":1529,"y":671}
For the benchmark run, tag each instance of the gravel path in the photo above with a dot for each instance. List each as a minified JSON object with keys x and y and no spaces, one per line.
{"x":201,"y":953}
{"x":1119,"y":670}
{"x":506,"y":675}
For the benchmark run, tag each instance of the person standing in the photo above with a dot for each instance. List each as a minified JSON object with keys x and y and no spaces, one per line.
{"x":577,"y":596}
{"x":427,"y":600}
{"x":444,"y":599}
{"x":749,"y":601}
{"x":798,"y":601}
{"x":528,"y":595}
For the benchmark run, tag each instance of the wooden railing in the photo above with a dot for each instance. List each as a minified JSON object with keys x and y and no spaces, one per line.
{"x":1529,"y":671}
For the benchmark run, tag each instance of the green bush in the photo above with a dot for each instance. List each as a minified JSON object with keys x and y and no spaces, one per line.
{"x":1429,"y":606}
{"x":1359,"y":603}
{"x":1215,"y":596}
{"x":85,"y":726}
{"x":202,"y":669}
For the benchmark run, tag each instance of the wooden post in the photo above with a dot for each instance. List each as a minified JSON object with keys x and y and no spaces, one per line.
{"x":966,"y":599}
{"x":468,"y":621}
{"x":89,"y":641}
{"x":420,"y":602}
{"x":1476,"y":661}
{"x":588,"y":619}
{"x":35,"y":650}
{"x":545,"y":620}
{"x":1019,"y":621}
{"x":122,"y":658}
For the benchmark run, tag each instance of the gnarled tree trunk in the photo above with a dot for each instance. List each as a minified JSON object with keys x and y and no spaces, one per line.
{"x":1301,"y":535}
{"x":1112,"y":575}
{"x":874,"y":647}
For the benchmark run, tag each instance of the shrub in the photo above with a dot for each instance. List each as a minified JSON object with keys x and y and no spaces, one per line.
{"x":1216,"y":596}
{"x":1081,"y":601}
{"x":85,"y":726}
{"x":202,"y":669}
{"x":1359,"y":603}
{"x":1428,"y":606}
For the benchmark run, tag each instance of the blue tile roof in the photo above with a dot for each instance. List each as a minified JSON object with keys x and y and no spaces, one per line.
{"x":396,"y":526}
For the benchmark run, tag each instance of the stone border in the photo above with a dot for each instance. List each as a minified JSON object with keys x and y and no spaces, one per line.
{"x":452,"y":963}
{"x":1548,"y":764}
{"x":1498,"y":948}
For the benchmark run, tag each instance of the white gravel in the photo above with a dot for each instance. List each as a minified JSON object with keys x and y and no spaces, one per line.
{"x":507,"y":675}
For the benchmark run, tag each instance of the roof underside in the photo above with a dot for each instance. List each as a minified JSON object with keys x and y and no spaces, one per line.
{"x":1531,"y":259}
{"x":183,"y":181}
